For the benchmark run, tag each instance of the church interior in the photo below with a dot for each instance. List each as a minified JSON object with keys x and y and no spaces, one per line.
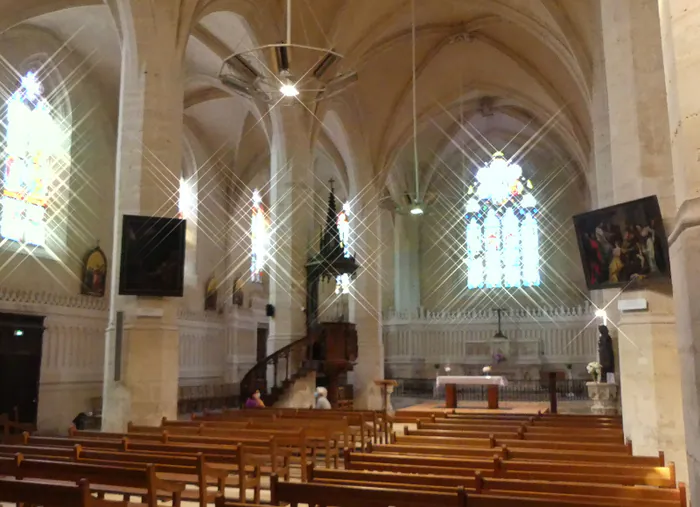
{"x":347,"y":252}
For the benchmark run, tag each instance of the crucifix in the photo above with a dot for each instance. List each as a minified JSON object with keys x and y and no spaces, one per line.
{"x":499,"y":333}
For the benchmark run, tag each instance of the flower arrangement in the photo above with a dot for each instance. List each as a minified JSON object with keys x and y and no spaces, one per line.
{"x":499,"y":358}
{"x":486,"y":370}
{"x":594,"y":369}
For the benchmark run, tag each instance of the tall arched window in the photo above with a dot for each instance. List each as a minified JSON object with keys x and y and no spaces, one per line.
{"x":258,"y":239}
{"x":501,"y":228}
{"x":35,"y":160}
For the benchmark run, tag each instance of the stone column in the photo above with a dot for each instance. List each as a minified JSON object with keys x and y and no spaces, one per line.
{"x":291,"y":210}
{"x":640,"y":156}
{"x":149,"y":156}
{"x":680,"y":37}
{"x":366,"y":306}
{"x":406,"y":263}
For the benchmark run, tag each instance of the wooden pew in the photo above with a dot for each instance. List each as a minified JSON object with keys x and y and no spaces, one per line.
{"x":269,"y":451}
{"x":48,"y":493}
{"x":138,"y":481}
{"x":362,"y":496}
{"x":530,"y":427}
{"x":354,"y":496}
{"x":523,"y":454}
{"x":629,"y":496}
{"x":521,"y":434}
{"x":186,"y":468}
{"x":190,"y":468}
{"x":497,"y":467}
{"x":527,"y":427}
{"x":409,"y":438}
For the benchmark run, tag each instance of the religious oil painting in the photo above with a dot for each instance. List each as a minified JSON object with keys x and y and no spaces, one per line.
{"x":237,"y":298}
{"x":211,"y":295}
{"x":623,"y":244}
{"x":94,"y":273}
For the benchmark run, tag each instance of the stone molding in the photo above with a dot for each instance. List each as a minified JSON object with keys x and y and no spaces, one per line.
{"x":643,"y":318}
{"x":20,"y":297}
{"x":430,"y":317}
{"x":688,"y":217}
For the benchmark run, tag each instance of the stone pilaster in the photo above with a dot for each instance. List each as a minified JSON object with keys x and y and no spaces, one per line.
{"x":366,"y":306}
{"x":680,"y":37}
{"x":292,"y":204}
{"x":147,"y":182}
{"x":406,"y":263}
{"x":640,"y":156}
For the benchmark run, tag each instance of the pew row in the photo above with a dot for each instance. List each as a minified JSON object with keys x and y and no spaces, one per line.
{"x":600,"y":473}
{"x":627,"y":496}
{"x":142,"y":482}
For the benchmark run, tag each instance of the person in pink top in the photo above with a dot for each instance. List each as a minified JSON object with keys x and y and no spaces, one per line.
{"x":255,"y":401}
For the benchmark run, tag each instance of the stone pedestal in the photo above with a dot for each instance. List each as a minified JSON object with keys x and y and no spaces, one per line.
{"x":387,"y":386}
{"x":604,"y":397}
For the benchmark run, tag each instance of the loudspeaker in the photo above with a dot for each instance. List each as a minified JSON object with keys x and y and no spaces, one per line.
{"x":269,"y":310}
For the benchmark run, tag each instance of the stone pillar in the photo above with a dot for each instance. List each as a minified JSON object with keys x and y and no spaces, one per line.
{"x":291,"y":210}
{"x":366,"y":306}
{"x":406,"y":263}
{"x":680,"y":37}
{"x":640,"y":156}
{"x":149,"y":156}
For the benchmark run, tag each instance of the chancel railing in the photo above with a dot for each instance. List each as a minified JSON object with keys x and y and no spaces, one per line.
{"x":418,"y":344}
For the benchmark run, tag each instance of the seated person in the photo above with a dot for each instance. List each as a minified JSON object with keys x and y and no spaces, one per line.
{"x":322,"y":402}
{"x":255,"y":401}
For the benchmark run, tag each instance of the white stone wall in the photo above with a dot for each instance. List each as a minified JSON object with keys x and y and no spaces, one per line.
{"x":73,"y":350}
{"x":415,"y":343}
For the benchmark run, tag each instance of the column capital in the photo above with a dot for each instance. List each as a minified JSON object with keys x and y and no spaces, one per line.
{"x":688,"y":217}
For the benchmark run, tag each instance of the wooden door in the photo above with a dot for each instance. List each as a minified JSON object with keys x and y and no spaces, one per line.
{"x":20,"y":364}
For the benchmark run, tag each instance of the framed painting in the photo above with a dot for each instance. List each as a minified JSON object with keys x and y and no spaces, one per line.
{"x":94,"y":273}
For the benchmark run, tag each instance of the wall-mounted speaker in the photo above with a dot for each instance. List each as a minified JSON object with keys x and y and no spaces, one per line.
{"x":269,"y":310}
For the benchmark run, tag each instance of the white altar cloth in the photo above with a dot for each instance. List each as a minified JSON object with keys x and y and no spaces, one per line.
{"x":495,"y":380}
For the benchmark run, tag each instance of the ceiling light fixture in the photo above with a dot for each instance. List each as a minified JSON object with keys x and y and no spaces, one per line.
{"x":288,"y":89}
{"x":416,"y":209}
{"x":249,"y":74}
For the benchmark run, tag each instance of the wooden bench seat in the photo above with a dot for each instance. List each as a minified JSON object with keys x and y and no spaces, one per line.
{"x":140,"y":481}
{"x":366,"y":496}
{"x":523,"y":454}
{"x":190,"y":468}
{"x":623,"y":495}
{"x":55,"y":494}
{"x":530,"y":426}
{"x":409,"y":438}
{"x":271,"y":456}
{"x":564,"y":437}
{"x":356,"y":496}
{"x":538,"y":470}
{"x":185,"y":468}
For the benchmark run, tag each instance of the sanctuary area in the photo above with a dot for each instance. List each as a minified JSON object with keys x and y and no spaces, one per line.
{"x":349,"y":252}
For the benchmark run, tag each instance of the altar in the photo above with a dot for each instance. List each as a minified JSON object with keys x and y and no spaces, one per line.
{"x":451,"y":383}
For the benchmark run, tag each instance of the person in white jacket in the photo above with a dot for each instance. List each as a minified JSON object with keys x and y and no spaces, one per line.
{"x":322,"y":402}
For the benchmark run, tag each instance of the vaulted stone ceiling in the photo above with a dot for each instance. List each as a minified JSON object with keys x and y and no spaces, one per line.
{"x":534,"y":58}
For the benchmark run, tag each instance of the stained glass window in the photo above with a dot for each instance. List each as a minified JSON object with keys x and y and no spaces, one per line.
{"x":34,"y":153}
{"x":502,"y":232}
{"x":259,"y":239}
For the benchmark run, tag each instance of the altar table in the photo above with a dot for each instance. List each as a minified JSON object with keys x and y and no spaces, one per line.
{"x":451,"y":382}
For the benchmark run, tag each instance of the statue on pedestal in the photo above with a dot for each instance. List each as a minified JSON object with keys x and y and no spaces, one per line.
{"x":606,"y":355}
